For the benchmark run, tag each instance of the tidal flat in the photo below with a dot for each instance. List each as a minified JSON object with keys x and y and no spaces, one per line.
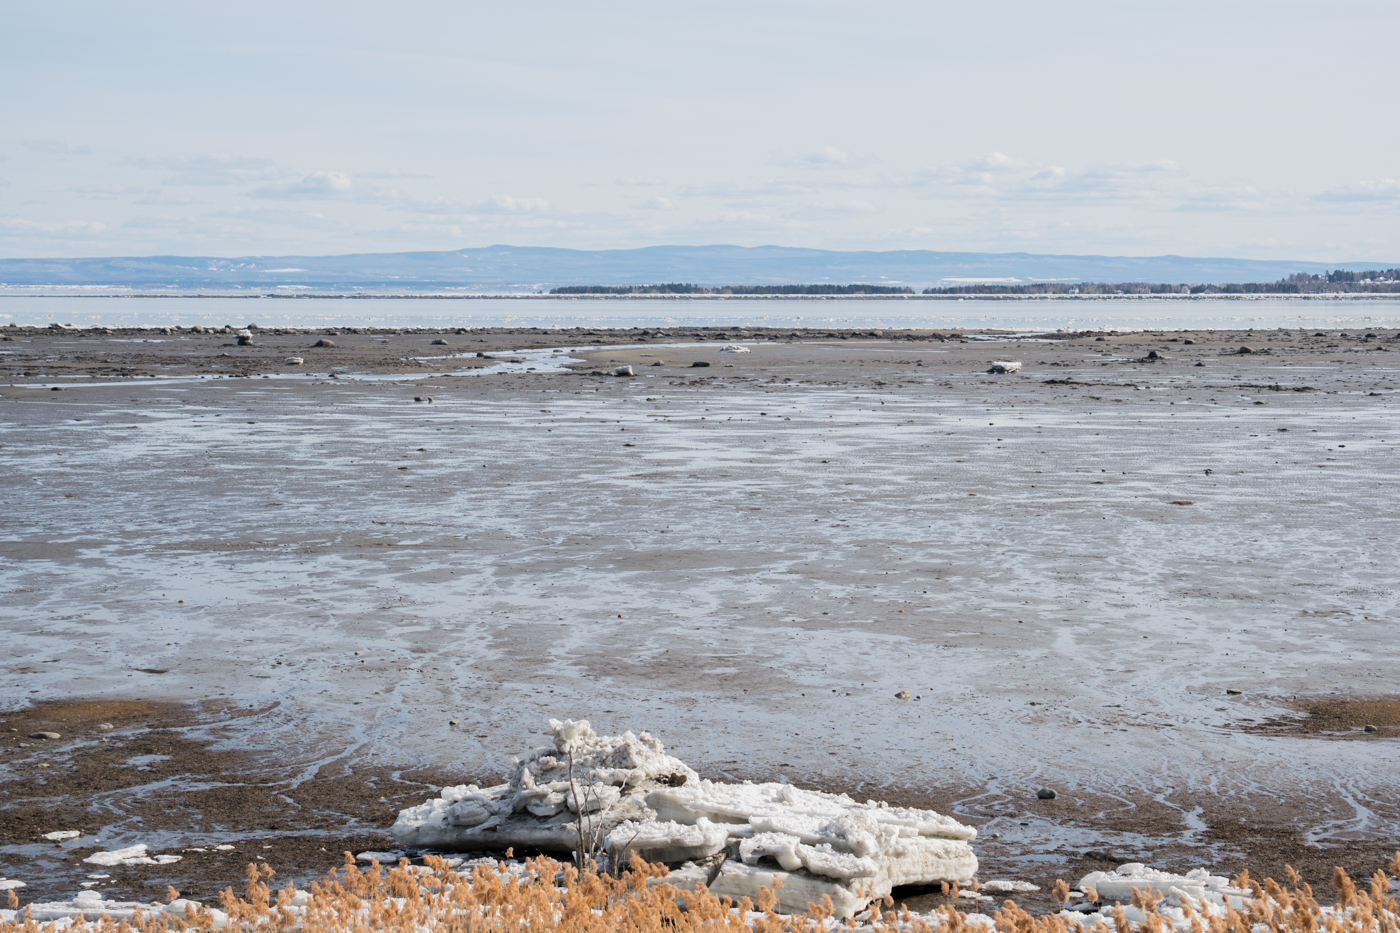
{"x":1148,"y":571}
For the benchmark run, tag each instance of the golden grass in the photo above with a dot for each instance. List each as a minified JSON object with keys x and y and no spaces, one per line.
{"x":548,"y":897}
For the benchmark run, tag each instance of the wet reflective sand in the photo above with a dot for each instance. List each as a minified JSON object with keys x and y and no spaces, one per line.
{"x":1067,"y":569}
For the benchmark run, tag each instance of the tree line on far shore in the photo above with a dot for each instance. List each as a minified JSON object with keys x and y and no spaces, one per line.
{"x":1386,"y":281}
{"x":681,"y":288}
{"x":1380,"y":281}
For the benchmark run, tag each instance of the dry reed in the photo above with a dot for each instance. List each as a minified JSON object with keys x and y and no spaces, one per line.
{"x":544,"y":896}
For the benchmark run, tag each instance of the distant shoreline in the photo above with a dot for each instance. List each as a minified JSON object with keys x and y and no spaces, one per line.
{"x":70,"y":292}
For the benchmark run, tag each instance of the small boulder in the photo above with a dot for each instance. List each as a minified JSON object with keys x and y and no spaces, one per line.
{"x":324,"y":343}
{"x":1046,"y":793}
{"x":699,"y":364}
{"x":623,"y":371}
{"x":1369,"y":729}
{"x":1244,"y":351}
{"x":902,"y":695}
{"x":439,"y":342}
{"x":45,"y":735}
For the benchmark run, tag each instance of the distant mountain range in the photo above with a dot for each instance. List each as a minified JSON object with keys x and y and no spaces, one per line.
{"x":532,"y":268}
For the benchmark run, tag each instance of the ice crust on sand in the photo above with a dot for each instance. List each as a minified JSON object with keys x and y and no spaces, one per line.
{"x":636,"y":799}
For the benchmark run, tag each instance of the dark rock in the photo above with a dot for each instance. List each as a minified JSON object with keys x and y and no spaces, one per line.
{"x":1046,"y":793}
{"x":324,"y":343}
{"x":1242,"y":351}
{"x":1233,"y":691}
{"x":700,"y":363}
{"x":657,"y":363}
{"x":439,"y":342}
{"x":1369,"y":729}
{"x":45,"y":735}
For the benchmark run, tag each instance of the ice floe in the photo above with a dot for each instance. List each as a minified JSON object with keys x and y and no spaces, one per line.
{"x":623,"y":795}
{"x":1199,"y":885}
{"x":63,"y":834}
{"x":131,"y":855}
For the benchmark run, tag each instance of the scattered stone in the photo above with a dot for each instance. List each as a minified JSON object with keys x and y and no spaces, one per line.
{"x":324,"y":343}
{"x":623,"y":371}
{"x":1154,"y":355}
{"x":1003,"y":367}
{"x":1046,"y":793}
{"x":902,"y":695}
{"x":45,"y":735}
{"x":700,"y":364}
{"x":1369,"y":729}
{"x":1244,"y":351}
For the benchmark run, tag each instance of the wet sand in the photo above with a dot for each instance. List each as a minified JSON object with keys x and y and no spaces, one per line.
{"x":295,"y":583}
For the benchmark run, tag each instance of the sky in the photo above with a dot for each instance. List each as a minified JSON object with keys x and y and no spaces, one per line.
{"x":1263,"y":130}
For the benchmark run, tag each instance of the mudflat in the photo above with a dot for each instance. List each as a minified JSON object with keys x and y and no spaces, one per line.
{"x":1150,"y":572}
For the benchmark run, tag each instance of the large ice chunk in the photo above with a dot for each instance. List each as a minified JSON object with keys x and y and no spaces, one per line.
{"x":624,"y":795}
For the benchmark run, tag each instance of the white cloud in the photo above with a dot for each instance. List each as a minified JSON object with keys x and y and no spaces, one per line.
{"x":504,"y":204}
{"x":218,"y":168}
{"x":657,"y":204}
{"x":318,"y":186}
{"x":996,"y":162}
{"x":392,"y":173}
{"x":166,"y":200}
{"x":650,"y":181}
{"x":53,"y":228}
{"x":105,"y":192}
{"x":1380,"y":189}
{"x":54,"y":147}
{"x":828,"y":155}
{"x":850,"y":206}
